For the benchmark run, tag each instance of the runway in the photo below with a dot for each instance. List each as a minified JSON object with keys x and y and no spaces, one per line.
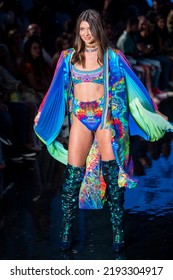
{"x":30,"y":225}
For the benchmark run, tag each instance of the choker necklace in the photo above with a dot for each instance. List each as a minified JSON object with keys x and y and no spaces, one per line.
{"x":91,"y":49}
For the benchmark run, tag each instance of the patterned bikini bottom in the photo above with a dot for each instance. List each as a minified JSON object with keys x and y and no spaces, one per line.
{"x":90,"y":113}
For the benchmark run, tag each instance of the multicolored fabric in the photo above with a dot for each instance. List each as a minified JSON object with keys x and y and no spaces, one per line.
{"x":132,"y":112}
{"x":89,"y":113}
{"x":80,"y":76}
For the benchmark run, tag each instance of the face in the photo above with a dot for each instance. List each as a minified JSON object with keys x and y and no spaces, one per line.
{"x":142,"y":24}
{"x":35,"y":50}
{"x":85,"y":33}
{"x":161,"y":23}
{"x":33,"y":30}
{"x":155,"y":5}
{"x":151,"y":26}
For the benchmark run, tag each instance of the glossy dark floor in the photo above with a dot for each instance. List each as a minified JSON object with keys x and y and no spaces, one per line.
{"x":30,"y":229}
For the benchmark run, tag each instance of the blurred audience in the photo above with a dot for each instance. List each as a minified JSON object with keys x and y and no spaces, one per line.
{"x":127,"y":43}
{"x":34,"y":29}
{"x":62,"y":43}
{"x":16,"y":123}
{"x":34,"y":69}
{"x":149,"y":47}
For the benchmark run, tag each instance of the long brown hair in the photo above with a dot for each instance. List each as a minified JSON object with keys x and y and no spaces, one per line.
{"x":92,"y":17}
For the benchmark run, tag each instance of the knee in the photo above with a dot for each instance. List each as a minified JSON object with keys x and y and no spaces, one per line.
{"x":106,"y":152}
{"x":105,"y":146}
{"x":74,"y":173}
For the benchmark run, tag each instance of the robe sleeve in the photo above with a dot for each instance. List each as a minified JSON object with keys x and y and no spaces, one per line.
{"x":143,"y":119}
{"x":52,"y":107}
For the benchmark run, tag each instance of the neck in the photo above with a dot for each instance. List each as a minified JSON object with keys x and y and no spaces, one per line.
{"x":91,"y":49}
{"x":91,"y":45}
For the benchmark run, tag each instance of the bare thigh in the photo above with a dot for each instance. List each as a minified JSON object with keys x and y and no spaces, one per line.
{"x":104,"y":137}
{"x":80,"y":141}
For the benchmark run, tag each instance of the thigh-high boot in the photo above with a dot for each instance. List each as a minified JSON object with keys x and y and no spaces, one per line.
{"x":115,"y":197}
{"x":73,"y":177}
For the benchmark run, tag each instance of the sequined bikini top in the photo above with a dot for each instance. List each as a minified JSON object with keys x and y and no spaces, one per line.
{"x":81,"y":76}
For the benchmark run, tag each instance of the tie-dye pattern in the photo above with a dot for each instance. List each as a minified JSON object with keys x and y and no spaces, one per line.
{"x":93,"y":184}
{"x":89,"y":113}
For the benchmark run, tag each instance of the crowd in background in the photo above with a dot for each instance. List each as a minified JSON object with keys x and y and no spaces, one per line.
{"x":31,"y":41}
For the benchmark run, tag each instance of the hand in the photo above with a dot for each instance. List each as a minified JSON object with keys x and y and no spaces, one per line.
{"x":37,"y":118}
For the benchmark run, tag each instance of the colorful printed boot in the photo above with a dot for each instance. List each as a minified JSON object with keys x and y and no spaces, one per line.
{"x":70,"y":193}
{"x":115,"y":196}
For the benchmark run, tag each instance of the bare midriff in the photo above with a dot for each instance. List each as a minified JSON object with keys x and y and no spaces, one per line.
{"x":87,"y":92}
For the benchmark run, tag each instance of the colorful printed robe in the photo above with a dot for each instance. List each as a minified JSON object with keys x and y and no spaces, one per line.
{"x":133,"y":113}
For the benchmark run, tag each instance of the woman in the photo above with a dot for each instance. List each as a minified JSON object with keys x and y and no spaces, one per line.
{"x":34,"y":69}
{"x":106,"y":103}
